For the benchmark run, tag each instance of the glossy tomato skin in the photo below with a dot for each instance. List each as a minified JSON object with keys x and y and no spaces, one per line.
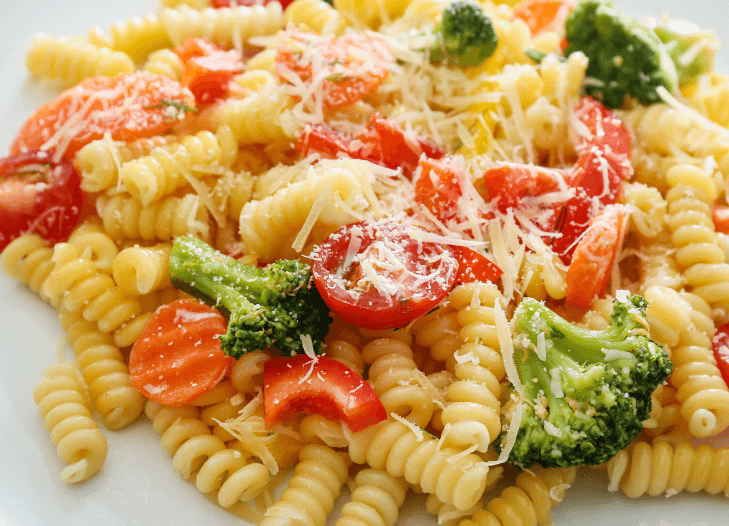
{"x":474,"y":266}
{"x":721,"y":350}
{"x":346,"y":283}
{"x":323,"y":386}
{"x":38,"y":195}
{"x":438,"y":188}
{"x":208,"y":69}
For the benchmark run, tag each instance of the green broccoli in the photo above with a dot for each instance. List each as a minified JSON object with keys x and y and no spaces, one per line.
{"x":464,"y":37}
{"x":691,"y":48}
{"x":586,"y":392}
{"x":626,"y":58}
{"x":272,"y":306}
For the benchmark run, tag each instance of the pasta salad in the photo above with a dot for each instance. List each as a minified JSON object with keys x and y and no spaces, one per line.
{"x":504,"y":163}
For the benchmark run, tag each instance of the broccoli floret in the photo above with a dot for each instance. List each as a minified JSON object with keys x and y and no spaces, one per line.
{"x":691,"y":48}
{"x":587,"y":399}
{"x":465,"y":35}
{"x":626,"y":58}
{"x":271,"y":306}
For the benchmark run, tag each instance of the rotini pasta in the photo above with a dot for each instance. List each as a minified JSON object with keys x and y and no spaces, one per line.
{"x":376,"y":498}
{"x":65,"y":412}
{"x":139,"y":270}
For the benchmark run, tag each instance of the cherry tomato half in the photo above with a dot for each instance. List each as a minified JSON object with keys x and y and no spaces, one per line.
{"x":208,"y":69}
{"x":721,"y":350}
{"x":377,"y":276}
{"x":38,"y":195}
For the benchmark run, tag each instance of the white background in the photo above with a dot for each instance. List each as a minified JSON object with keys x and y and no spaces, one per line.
{"x":137,"y":484}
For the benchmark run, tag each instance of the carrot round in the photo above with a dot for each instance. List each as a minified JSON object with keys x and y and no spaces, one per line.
{"x":178,"y":356}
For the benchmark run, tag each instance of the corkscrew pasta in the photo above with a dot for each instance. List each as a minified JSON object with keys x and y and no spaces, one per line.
{"x":263,"y":165}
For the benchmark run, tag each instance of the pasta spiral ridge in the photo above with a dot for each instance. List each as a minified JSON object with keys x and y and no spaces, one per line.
{"x":259,"y":118}
{"x":67,"y":417}
{"x":165,"y":62}
{"x":669,"y":468}
{"x":375,"y":501}
{"x":29,"y":259}
{"x":165,"y":169}
{"x":700,"y":388}
{"x":140,"y":270}
{"x":226,"y":26}
{"x":99,"y":160}
{"x":473,"y":416}
{"x":90,"y":239}
{"x":138,"y":37}
{"x":317,"y":16}
{"x":105,"y":372}
{"x":392,"y":372}
{"x":92,"y":293}
{"x":454,"y":478}
{"x":71,"y":60}
{"x":199,"y":455}
{"x":438,"y":331}
{"x":124,"y":217}
{"x":275,"y":225}
{"x":690,"y":220}
{"x":311,"y":493}
{"x":528,"y":502}
{"x":247,"y":371}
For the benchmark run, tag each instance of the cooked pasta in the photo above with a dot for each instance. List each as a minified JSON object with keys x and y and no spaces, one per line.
{"x":316,"y":15}
{"x":376,"y":498}
{"x":66,"y":416}
{"x":29,"y":259}
{"x":140,"y":270}
{"x":139,"y":37}
{"x":165,"y":62}
{"x":71,"y":60}
{"x":90,"y":239}
{"x":259,"y":118}
{"x":670,"y":469}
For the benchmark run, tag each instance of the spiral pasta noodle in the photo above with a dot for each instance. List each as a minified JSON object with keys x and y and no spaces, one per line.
{"x":670,"y":469}
{"x":438,"y":331}
{"x":528,"y":502}
{"x":454,"y":478}
{"x":104,"y":370}
{"x":648,"y":209}
{"x":316,"y":15}
{"x":71,"y":60}
{"x":139,"y":270}
{"x":138,"y":37}
{"x":247,"y":371}
{"x":392,"y":371}
{"x":274,"y":225}
{"x":376,"y":499}
{"x":90,"y":239}
{"x":167,"y":168}
{"x":473,"y":416}
{"x":689,"y":208}
{"x":259,"y":118}
{"x":29,"y":259}
{"x":225,"y":26}
{"x":165,"y":62}
{"x":312,"y":490}
{"x":99,"y":161}
{"x":124,"y":217}
{"x":66,"y":416}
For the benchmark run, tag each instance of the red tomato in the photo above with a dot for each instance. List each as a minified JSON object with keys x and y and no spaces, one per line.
{"x":208,"y":69}
{"x":323,"y":386}
{"x":234,"y":3}
{"x":377,"y":276}
{"x":721,"y":350}
{"x":384,"y":143}
{"x":474,"y":266}
{"x":129,"y":106}
{"x":178,"y":356}
{"x":544,"y":15}
{"x":512,"y":183}
{"x":589,"y":271}
{"x":352,"y":66}
{"x":439,"y":189}
{"x":38,"y":195}
{"x":721,"y":219}
{"x":604,"y":129}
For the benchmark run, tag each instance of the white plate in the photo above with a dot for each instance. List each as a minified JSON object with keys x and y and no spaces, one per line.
{"x":137,"y":484}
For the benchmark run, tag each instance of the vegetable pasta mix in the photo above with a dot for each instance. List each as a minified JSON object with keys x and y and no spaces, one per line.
{"x":425,"y":247}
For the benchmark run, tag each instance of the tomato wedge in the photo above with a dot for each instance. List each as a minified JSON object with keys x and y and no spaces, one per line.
{"x":129,"y":106}
{"x":352,"y":66}
{"x":439,"y":189}
{"x":178,"y":356}
{"x":721,"y":350}
{"x":377,"y":276}
{"x":208,"y":69}
{"x":474,"y":266}
{"x":720,"y":216}
{"x":383,"y":143}
{"x":512,"y":183}
{"x":544,"y":15}
{"x":318,"y":385}
{"x":603,"y":129}
{"x":38,"y":195}
{"x":589,"y":271}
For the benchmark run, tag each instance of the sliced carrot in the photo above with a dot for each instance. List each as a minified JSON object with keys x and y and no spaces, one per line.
{"x":178,"y":357}
{"x":592,"y":261}
{"x":544,"y":15}
{"x":721,"y":219}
